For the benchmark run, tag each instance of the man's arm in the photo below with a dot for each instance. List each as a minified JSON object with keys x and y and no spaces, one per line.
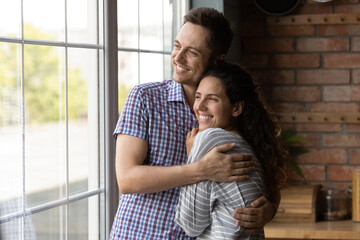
{"x":134,"y":177}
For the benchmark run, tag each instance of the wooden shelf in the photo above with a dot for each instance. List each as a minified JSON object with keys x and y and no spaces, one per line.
{"x":308,"y":117}
{"x":315,"y":19}
{"x":319,"y":230}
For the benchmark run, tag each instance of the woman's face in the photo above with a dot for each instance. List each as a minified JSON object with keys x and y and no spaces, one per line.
{"x":212,"y":106}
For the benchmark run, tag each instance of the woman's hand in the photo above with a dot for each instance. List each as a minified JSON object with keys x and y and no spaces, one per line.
{"x":190,"y":137}
{"x":255,"y":218}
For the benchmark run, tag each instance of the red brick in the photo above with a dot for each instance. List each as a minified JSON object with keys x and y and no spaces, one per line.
{"x":296,"y":61}
{"x":336,"y":1}
{"x":334,"y":107}
{"x":341,"y":173}
{"x":250,"y":13}
{"x":350,"y":8}
{"x":296,"y":94}
{"x":311,"y":173}
{"x":346,"y":60}
{"x":288,"y":107}
{"x":252,"y":29}
{"x":314,"y":172}
{"x":339,"y":30}
{"x":356,"y":76}
{"x":284,"y":77}
{"x":341,"y":140}
{"x":255,"y":61}
{"x":313,"y":9}
{"x":322,"y":44}
{"x":268,"y":45}
{"x":355,"y":44}
{"x":341,"y":93}
{"x":319,"y":127}
{"x":355,"y":156}
{"x":325,"y":156}
{"x":323,"y":76}
{"x":294,"y":30}
{"x":312,"y":140}
{"x":353,"y":127}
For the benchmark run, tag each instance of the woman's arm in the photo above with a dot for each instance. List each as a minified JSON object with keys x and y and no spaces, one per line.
{"x":194,"y":208}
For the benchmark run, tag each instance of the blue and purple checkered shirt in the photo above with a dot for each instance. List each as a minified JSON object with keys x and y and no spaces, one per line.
{"x":159,"y":114}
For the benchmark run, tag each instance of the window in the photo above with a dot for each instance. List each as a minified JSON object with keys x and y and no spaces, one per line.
{"x":51,"y":175}
{"x":146,"y":31}
{"x":56,"y":113}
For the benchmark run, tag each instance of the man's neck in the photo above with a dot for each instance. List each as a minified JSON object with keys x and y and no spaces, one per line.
{"x":189,"y":92}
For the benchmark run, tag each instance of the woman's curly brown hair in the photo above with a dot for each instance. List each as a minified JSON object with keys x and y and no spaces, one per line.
{"x":256,"y":124}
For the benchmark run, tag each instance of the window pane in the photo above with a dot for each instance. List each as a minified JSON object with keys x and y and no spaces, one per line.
{"x":127,"y":23}
{"x":17,"y":228}
{"x":82,"y":21}
{"x":128,"y":74}
{"x":151,"y":67}
{"x":168,"y":30}
{"x":167,"y":67}
{"x":47,"y":24}
{"x":10,"y":18}
{"x":45,"y":129}
{"x":84,"y":219}
{"x":11,"y":177}
{"x":151,"y":25}
{"x":50,"y":224}
{"x":83,"y":119}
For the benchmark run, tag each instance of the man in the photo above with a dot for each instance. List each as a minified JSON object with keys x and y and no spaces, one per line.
{"x":151,"y":134}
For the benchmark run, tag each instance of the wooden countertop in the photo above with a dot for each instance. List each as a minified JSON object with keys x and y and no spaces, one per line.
{"x":346,"y":229}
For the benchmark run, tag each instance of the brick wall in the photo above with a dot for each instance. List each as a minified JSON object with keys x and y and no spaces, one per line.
{"x":309,"y":68}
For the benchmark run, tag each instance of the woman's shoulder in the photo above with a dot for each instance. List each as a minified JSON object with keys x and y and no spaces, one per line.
{"x":213,"y":133}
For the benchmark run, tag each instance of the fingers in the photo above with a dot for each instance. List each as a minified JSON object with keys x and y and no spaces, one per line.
{"x":259,"y":202}
{"x":225,"y":147}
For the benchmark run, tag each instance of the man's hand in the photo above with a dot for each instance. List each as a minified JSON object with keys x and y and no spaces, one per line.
{"x":255,"y":218}
{"x":221,"y":167}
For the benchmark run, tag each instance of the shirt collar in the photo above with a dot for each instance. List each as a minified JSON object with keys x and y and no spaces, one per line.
{"x":176,"y":93}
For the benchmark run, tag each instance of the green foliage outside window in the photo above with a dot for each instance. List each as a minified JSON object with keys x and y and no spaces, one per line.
{"x":44,"y":82}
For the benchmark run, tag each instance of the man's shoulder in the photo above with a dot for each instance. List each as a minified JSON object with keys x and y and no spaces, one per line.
{"x":154,"y":86}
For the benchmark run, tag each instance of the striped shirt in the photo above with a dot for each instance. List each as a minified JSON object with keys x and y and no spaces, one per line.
{"x":205,"y":208}
{"x":157,"y":113}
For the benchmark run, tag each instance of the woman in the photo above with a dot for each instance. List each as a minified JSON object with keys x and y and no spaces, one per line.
{"x":229,"y":110}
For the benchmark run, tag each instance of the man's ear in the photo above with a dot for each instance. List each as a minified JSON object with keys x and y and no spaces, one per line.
{"x":238,"y":108}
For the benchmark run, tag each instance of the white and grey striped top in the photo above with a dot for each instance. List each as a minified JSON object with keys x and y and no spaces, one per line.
{"x":205,"y":208}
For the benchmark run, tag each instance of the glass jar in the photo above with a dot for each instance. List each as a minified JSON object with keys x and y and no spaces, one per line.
{"x":334,"y":204}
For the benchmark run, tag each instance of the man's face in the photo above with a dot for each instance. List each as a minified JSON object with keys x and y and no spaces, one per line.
{"x":190,"y":56}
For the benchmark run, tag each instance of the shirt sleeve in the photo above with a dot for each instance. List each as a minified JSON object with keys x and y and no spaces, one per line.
{"x":133,"y":119}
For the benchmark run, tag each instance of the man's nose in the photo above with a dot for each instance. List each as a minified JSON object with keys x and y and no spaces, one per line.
{"x":179,"y":55}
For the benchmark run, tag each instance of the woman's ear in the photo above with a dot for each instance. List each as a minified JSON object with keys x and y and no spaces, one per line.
{"x":238,"y":108}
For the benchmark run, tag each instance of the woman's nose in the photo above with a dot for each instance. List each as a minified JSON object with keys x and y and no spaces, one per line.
{"x":202,"y":104}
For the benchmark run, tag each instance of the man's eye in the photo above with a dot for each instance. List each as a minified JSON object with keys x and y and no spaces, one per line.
{"x":192,"y":53}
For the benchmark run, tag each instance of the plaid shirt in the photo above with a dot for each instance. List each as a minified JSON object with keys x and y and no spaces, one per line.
{"x":159,"y":114}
